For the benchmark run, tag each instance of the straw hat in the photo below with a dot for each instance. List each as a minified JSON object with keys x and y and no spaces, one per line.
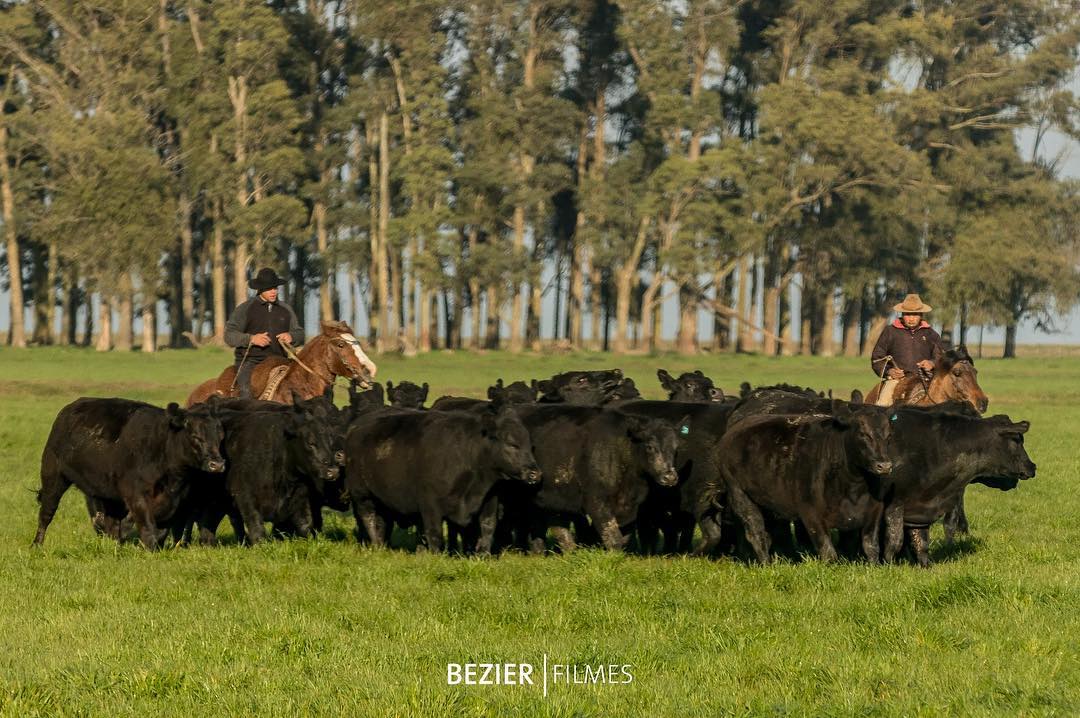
{"x":912,"y":304}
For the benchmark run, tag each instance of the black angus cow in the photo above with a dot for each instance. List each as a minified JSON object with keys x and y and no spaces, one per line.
{"x":689,"y":386}
{"x":128,"y":457}
{"x":937,"y":451}
{"x":278,"y":457}
{"x":597,"y":463}
{"x":407,"y":395}
{"x":779,"y":400}
{"x":583,"y":388}
{"x":745,"y":389}
{"x":627,"y":391}
{"x":670,"y":509}
{"x":434,"y":465}
{"x":828,"y":472}
{"x":517,"y":392}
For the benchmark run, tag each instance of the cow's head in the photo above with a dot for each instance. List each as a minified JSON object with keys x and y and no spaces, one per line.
{"x":581,"y":387}
{"x":517,"y":392}
{"x":407,"y":395}
{"x":1003,"y":460}
{"x":310,"y":442}
{"x":655,"y":442}
{"x":362,"y":402}
{"x":200,"y":432}
{"x":509,"y":443}
{"x":866,"y":437}
{"x":690,"y":386}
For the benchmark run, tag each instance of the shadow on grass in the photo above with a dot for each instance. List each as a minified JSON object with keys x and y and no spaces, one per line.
{"x":941,"y":552}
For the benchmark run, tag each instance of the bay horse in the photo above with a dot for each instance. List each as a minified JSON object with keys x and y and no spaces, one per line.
{"x":954,"y":379}
{"x":334,"y":352}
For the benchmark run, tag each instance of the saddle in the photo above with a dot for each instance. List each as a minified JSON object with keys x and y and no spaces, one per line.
{"x":277,"y":374}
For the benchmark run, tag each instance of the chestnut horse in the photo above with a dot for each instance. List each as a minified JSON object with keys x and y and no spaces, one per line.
{"x":954,"y":379}
{"x":333,"y":353}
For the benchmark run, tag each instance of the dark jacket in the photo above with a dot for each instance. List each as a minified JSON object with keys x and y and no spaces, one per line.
{"x":907,"y":347}
{"x":256,"y":316}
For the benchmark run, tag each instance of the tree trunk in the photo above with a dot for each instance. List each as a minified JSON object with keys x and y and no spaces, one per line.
{"x":217,"y":272}
{"x":596,"y":289}
{"x":426,"y":298}
{"x":149,"y":326}
{"x":649,"y":312}
{"x":723,"y":287}
{"x":88,"y":329}
{"x":516,"y":305}
{"x":126,"y":318}
{"x":492,"y":334}
{"x":322,"y":246}
{"x":388,"y":335}
{"x":187,"y":265}
{"x":806,"y":316}
{"x":535,"y":307}
{"x":744,"y":308}
{"x":826,"y":347}
{"x":475,"y":340}
{"x":852,"y":312}
{"x":623,"y":288}
{"x":1010,"y":341}
{"x":52,"y":275}
{"x":876,"y":326}
{"x":686,"y":342}
{"x":104,"y":340}
{"x":69,"y":308}
{"x":17,"y":330}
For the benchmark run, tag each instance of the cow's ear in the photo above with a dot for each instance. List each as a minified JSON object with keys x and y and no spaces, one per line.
{"x":424,"y":391}
{"x":841,"y":413}
{"x":176,"y":416}
{"x":534,"y":385}
{"x":499,"y":383}
{"x":297,"y":397}
{"x":700,"y":373}
{"x":666,"y":380}
{"x":856,"y":396}
{"x":744,"y":390}
{"x":1020,"y":427}
{"x":390,"y":388}
{"x":545,"y":387}
{"x":636,"y":428}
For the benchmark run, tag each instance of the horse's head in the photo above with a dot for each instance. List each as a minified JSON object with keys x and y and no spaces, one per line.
{"x":956,"y":378}
{"x":345,"y":357}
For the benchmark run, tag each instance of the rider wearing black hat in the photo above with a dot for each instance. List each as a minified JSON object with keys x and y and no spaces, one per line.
{"x":258,"y":327}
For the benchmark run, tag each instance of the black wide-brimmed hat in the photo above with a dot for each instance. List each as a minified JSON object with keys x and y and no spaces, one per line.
{"x":266,"y":279}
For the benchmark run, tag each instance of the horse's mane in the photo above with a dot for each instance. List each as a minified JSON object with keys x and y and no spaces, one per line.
{"x":951,"y":358}
{"x":334,"y":327}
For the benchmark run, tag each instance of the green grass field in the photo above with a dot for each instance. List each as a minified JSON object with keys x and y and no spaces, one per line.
{"x":323,"y":627}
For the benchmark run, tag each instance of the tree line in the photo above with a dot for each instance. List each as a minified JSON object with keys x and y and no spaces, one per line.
{"x":457,"y":161}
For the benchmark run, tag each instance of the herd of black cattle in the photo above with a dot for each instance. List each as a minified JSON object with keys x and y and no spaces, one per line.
{"x":579,"y":458}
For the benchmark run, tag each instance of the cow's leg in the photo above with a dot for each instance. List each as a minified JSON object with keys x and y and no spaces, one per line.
{"x":711,"y":534}
{"x":143,"y":515}
{"x":253,"y":520}
{"x":955,"y":520}
{"x":487,"y":520}
{"x":560,"y":531}
{"x":894,"y":531}
{"x":871,"y":531}
{"x":431,"y":523}
{"x":919,"y":536}
{"x":753,"y":522}
{"x":53,"y":486}
{"x":647,"y":533}
{"x":610,"y":534}
{"x":367,"y":516}
{"x":819,"y":536}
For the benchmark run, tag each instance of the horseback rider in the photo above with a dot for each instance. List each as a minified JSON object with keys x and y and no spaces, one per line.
{"x":260,"y":326}
{"x":906,"y":346}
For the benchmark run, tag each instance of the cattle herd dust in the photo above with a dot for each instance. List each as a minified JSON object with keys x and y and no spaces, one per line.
{"x":579,"y":459}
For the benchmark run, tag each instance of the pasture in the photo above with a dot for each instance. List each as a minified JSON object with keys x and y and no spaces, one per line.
{"x":328,"y":628}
